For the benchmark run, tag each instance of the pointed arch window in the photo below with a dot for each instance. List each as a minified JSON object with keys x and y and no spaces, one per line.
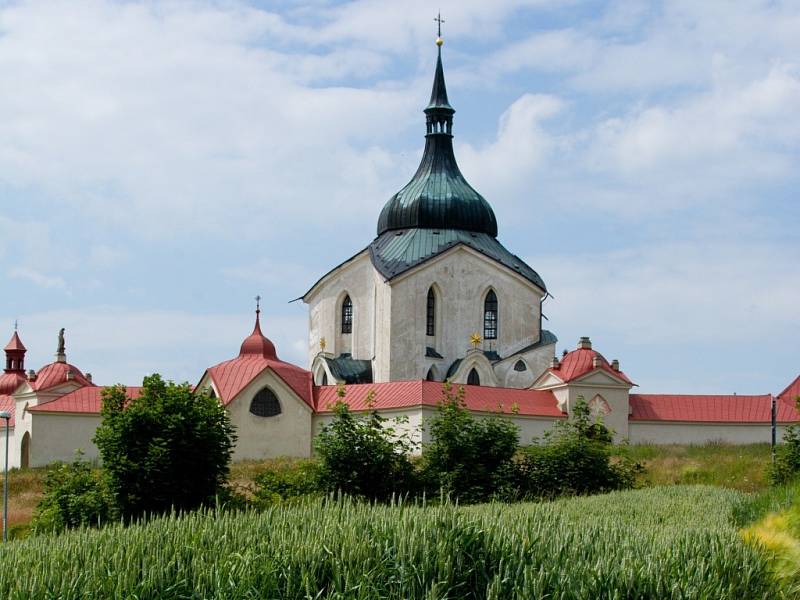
{"x":430,"y":313}
{"x":490,"y":316}
{"x":265,"y":404}
{"x":347,"y":315}
{"x":473,"y":378}
{"x":431,"y":376}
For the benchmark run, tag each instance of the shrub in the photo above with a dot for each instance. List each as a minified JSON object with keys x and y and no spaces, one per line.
{"x":74,"y":495}
{"x":787,"y":458}
{"x":469,"y":459}
{"x":364,"y":457}
{"x":284,"y":481}
{"x":168,"y":448}
{"x":575,"y":458}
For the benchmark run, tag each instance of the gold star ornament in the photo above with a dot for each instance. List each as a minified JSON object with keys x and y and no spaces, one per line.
{"x":475,"y":339}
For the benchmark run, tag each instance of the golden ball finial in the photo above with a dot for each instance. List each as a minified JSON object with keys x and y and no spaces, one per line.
{"x":439,"y":41}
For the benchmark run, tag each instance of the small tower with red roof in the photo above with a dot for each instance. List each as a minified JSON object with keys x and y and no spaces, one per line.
{"x":15,"y":354}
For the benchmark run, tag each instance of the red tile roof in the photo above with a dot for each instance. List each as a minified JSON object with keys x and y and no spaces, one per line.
{"x":792,"y":392}
{"x":580,"y":362}
{"x":257,"y":354}
{"x":9,"y":382}
{"x":402,"y":394}
{"x":7,"y":404}
{"x":15,"y":343}
{"x":55,"y":374}
{"x":232,"y":376}
{"x":709,"y":409}
{"x":87,"y":400}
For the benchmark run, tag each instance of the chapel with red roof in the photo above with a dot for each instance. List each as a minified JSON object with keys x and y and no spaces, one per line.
{"x":435,"y":297}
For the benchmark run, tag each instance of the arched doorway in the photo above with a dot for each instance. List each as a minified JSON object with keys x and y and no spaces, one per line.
{"x":25,"y":451}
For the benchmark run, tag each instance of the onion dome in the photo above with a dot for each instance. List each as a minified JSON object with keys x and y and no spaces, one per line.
{"x":438,"y":196}
{"x":256,"y":344}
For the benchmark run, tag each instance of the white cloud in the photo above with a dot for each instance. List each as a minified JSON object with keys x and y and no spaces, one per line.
{"x":37,"y":278}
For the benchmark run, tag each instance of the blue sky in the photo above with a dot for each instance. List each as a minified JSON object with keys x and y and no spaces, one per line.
{"x":163,"y":163}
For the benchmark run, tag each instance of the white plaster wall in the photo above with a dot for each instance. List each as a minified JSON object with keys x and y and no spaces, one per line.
{"x":404,"y":421}
{"x":357,"y":279}
{"x":463,"y":277}
{"x":617,"y":399}
{"x":666,"y":432}
{"x":536,"y":360}
{"x":13,"y":449}
{"x":56,"y":436}
{"x":286,"y":434}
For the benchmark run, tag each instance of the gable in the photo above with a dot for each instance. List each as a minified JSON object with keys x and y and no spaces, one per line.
{"x":338,"y":270}
{"x":547,"y":379}
{"x":287,"y":397}
{"x":599,"y":377}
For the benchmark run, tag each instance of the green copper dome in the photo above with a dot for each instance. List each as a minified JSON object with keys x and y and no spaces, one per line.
{"x":438,"y":196}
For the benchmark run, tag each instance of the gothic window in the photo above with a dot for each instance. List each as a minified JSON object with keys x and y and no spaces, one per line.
{"x":430,"y":314}
{"x":520,"y":366}
{"x":324,"y":379}
{"x":431,"y":376}
{"x":265,"y":404}
{"x":347,"y":315}
{"x":490,"y":316}
{"x":473,"y":378}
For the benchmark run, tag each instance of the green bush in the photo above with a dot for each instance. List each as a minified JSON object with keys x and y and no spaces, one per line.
{"x":75,"y":495}
{"x":787,"y":458}
{"x":286,"y":481}
{"x":469,"y":459}
{"x":574,"y":458}
{"x":364,"y":457}
{"x":170,"y":448}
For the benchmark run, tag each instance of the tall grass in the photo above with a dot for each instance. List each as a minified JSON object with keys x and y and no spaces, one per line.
{"x":657,"y":543}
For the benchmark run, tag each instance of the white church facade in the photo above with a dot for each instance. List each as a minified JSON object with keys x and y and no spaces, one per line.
{"x":434,"y":297}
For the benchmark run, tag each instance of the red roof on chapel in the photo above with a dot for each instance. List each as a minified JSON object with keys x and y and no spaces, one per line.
{"x":56,"y":374}
{"x":257,"y":354}
{"x":580,"y":362}
{"x":15,"y":344}
{"x":83,"y":400}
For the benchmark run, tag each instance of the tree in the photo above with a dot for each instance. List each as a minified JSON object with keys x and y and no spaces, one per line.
{"x":787,"y":455}
{"x":468,"y":458}
{"x":75,"y":495}
{"x":365,"y":457}
{"x":169,"y":448}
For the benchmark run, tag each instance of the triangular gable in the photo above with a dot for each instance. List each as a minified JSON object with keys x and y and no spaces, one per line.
{"x":600,"y":377}
{"x":547,"y":379}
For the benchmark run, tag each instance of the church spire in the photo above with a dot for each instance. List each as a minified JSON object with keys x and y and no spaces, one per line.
{"x":439,"y":112}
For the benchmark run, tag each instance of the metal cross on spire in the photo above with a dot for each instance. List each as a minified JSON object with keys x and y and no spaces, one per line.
{"x":15,"y":324}
{"x":258,"y":304}
{"x":439,"y":20}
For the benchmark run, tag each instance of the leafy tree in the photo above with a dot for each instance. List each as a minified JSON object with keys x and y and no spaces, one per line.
{"x":470,"y":459}
{"x":787,"y":456}
{"x":168,"y":448}
{"x":574,"y":458}
{"x":365,"y":457}
{"x":75,"y":495}
{"x":285,"y":480}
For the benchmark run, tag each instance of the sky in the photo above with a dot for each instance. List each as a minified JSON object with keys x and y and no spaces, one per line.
{"x":162,"y":163}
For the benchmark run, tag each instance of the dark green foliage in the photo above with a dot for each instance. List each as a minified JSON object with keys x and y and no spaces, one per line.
{"x":74,"y":495}
{"x":469,"y":459}
{"x":787,"y":458}
{"x":168,"y":448}
{"x":364,"y":457}
{"x":286,"y":481}
{"x":575,"y":458}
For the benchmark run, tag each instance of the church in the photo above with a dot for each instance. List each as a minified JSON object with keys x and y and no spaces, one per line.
{"x":435,"y":297}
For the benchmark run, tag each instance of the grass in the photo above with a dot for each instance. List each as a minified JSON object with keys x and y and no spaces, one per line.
{"x":676,"y":542}
{"x":737,"y":467}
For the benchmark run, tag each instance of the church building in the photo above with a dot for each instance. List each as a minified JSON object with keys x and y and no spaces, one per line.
{"x":435,"y":297}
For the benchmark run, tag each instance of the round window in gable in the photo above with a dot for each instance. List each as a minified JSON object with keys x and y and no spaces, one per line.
{"x":265,"y":404}
{"x":520,"y":366}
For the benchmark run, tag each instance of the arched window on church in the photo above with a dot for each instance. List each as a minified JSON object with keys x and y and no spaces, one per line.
{"x":490,"y":316}
{"x":431,"y":376}
{"x":430,"y":313}
{"x":265,"y":404}
{"x":473,"y":378}
{"x":347,"y":315}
